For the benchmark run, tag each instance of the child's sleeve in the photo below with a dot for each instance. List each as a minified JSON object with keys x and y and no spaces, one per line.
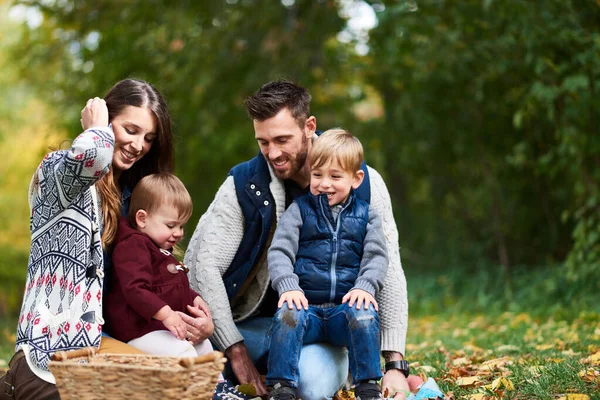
{"x":374,"y":263}
{"x":282,"y":253}
{"x":133,"y":268}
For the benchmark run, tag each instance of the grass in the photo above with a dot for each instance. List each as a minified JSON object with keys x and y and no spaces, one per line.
{"x":541,"y":358}
{"x":462,"y":325}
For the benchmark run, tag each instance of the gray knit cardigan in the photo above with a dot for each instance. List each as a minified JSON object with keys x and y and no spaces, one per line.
{"x":62,"y":303}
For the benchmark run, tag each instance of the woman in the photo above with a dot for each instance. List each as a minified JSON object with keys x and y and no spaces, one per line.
{"x":76,"y":197}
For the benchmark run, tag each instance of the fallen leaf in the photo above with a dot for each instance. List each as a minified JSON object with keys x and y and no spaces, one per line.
{"x":449,"y":396}
{"x":590,"y":375}
{"x":543,"y":347}
{"x":477,"y":396}
{"x":426,"y":368}
{"x":344,"y":395}
{"x":247,"y":389}
{"x":461,"y":361}
{"x":594,"y":359}
{"x":501,"y":383}
{"x":575,"y":397}
{"x":468,"y":381}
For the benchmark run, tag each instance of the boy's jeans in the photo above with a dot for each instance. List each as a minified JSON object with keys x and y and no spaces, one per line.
{"x":340,"y":325}
{"x":323,"y":367}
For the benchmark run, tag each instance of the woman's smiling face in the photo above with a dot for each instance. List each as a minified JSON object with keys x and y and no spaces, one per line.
{"x":135,"y":131}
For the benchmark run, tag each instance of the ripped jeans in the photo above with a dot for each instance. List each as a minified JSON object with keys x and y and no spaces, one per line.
{"x":339,"y":325}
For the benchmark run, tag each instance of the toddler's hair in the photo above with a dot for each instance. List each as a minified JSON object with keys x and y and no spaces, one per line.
{"x":157,"y":189}
{"x":337,"y":144}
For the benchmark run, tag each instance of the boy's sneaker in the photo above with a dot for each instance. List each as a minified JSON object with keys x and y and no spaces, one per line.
{"x":281,"y":391}
{"x":369,"y":390}
{"x":226,"y":390}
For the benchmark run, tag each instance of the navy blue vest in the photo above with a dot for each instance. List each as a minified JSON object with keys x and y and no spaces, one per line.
{"x":330,"y":251}
{"x":252,"y":181}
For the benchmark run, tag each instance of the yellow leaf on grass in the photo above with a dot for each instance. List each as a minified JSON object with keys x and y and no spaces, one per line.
{"x":575,"y":397}
{"x":461,"y":361}
{"x":590,"y":375}
{"x":501,"y":383}
{"x":594,"y":359}
{"x":477,"y":396}
{"x":468,"y":381}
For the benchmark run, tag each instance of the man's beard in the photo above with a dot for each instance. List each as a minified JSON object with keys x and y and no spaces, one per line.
{"x":295,"y":163}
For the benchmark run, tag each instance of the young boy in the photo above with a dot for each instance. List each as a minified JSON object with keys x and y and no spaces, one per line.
{"x":150,"y":292}
{"x":328,"y":258}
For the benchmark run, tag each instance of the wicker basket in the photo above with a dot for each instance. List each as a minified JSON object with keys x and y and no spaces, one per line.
{"x":84,"y":374}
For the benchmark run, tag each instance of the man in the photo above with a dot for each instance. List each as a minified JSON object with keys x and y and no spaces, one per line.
{"x":227,"y":253}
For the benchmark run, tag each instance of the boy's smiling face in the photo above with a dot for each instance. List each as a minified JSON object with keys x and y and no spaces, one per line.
{"x":331,"y":179}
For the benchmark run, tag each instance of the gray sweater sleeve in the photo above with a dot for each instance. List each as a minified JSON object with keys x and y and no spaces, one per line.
{"x":282,"y":253}
{"x":374,"y":263}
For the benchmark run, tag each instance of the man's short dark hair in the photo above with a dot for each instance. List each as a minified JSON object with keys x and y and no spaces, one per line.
{"x":277,"y":95}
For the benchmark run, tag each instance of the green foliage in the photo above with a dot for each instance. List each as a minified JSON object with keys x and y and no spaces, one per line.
{"x":481,"y":115}
{"x":491,"y":126}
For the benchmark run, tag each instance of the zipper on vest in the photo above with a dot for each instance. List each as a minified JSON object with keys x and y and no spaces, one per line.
{"x":335,"y":246}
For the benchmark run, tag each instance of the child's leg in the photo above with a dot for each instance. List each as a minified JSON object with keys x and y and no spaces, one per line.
{"x":359,"y":330}
{"x":163,"y":343}
{"x":290,"y":329}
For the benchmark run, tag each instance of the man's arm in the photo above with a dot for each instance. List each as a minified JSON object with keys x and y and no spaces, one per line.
{"x":393,"y":301}
{"x":208,"y":256}
{"x":374,"y":262}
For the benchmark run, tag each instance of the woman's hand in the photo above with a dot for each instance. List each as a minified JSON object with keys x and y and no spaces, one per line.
{"x":199,"y":326}
{"x":201,"y":304}
{"x":359,"y":296}
{"x":94,"y":114}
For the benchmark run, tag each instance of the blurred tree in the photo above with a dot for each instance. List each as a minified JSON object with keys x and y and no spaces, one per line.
{"x":206,"y":57}
{"x":490,"y":126}
{"x":480,"y":114}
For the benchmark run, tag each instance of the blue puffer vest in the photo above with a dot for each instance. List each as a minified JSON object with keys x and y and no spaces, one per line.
{"x":252,"y":179}
{"x":329,"y":251}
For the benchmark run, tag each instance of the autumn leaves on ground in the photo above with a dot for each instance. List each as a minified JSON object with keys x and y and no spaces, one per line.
{"x":508,"y":356}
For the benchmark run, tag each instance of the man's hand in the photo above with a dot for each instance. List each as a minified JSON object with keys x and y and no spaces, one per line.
{"x":94,"y":114}
{"x":199,"y":326}
{"x":394,"y":381}
{"x":359,"y":297}
{"x":293,"y":297}
{"x":243,"y":368}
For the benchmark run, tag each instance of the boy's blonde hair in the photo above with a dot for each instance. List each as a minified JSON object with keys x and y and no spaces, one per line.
{"x":337,"y":144}
{"x":157,"y":189}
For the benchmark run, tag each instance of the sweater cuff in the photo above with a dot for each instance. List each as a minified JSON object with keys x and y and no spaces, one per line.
{"x":393,"y":340}
{"x":365,"y":285}
{"x":287,"y":285}
{"x":226,"y":336}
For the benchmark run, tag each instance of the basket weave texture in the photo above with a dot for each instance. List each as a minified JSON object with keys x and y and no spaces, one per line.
{"x":135,"y":376}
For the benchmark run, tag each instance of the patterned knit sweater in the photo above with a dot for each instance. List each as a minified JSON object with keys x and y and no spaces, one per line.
{"x":219,"y":234}
{"x":62,"y":304}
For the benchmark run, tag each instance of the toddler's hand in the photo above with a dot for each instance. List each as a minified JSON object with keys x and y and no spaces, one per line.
{"x":94,"y":114}
{"x":293,"y":297}
{"x":359,"y":296}
{"x":176,"y":325}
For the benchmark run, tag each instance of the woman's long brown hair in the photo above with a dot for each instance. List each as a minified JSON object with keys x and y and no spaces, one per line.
{"x":136,"y":93}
